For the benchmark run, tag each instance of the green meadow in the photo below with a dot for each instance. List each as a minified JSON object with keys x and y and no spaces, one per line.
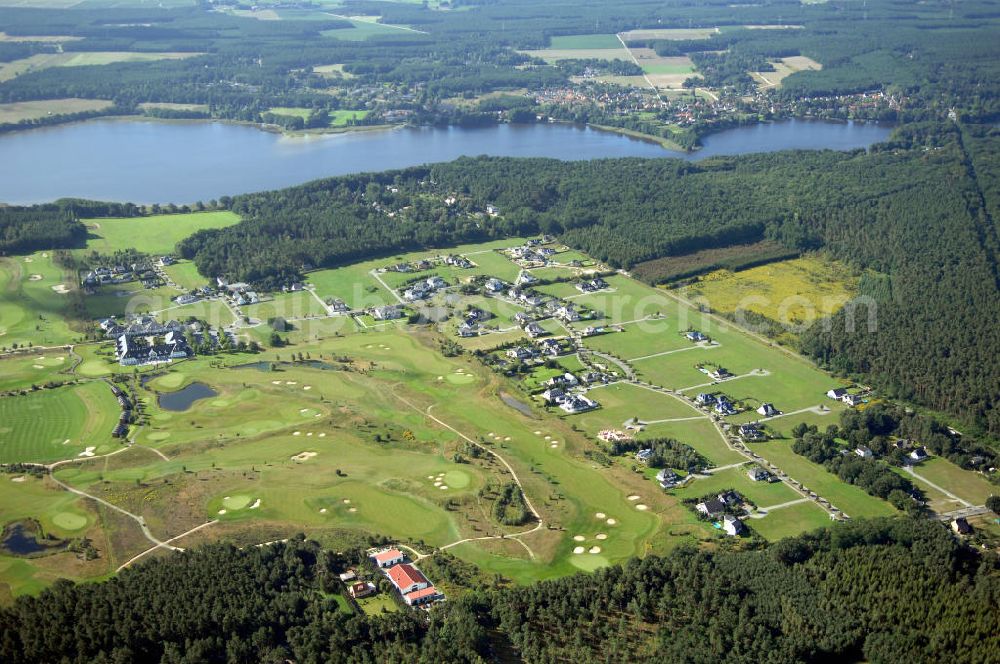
{"x":157,"y":234}
{"x":33,"y":299}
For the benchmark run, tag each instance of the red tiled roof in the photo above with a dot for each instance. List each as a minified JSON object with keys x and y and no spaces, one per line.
{"x":420,"y":594}
{"x":405,"y":575}
{"x":391,"y":554}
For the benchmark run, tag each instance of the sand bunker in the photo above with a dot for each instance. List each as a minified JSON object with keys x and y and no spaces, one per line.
{"x":601,"y":515}
{"x":255,"y":505}
{"x":347,"y":501}
{"x":35,"y":277}
{"x":633,"y":497}
{"x":290,"y":382}
{"x":538,"y":433}
{"x":19,"y":478}
{"x":440,"y":377}
{"x":578,"y":550}
{"x":303,"y":456}
{"x":595,"y":549}
{"x":507,"y":438}
{"x":222,"y":512}
{"x":612,"y":522}
{"x":309,"y":434}
{"x":553,"y":445}
{"x":322,"y":435}
{"x":430,"y":477}
{"x":353,"y":509}
{"x":601,"y":536}
{"x":89,"y":452}
{"x":322,"y":510}
{"x":548,"y":438}
{"x":60,"y":288}
{"x":303,"y":410}
{"x":296,"y":433}
{"x":641,"y":507}
{"x":438,"y":483}
{"x":29,"y":259}
{"x":307,"y":387}
{"x":578,"y":538}
{"x":37,"y":366}
{"x":275,"y":382}
{"x":443,"y":487}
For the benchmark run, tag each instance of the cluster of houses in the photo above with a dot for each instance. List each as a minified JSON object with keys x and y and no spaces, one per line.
{"x":125,"y":418}
{"x":239,"y":293}
{"x":120,"y":274}
{"x":423,"y":289}
{"x":424,"y":264}
{"x":719,"y":403}
{"x":471,"y":321}
{"x":531,"y":254}
{"x":841,"y":394}
{"x":719,"y":506}
{"x":592,"y":285}
{"x":411,"y":583}
{"x":916,"y":453}
{"x":569,"y":401}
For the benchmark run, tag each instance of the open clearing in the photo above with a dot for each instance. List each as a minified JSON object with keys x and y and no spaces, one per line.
{"x":677,"y":34}
{"x":667,"y":72}
{"x":783,"y":68}
{"x":32,"y":110}
{"x":584,"y":42}
{"x":791,"y":292}
{"x":157,"y":234}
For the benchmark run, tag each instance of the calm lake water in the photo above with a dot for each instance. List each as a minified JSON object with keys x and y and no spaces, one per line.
{"x":183,"y":399}
{"x":158,"y":162}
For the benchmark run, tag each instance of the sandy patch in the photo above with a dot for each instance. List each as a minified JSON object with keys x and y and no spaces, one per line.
{"x":443,"y":487}
{"x":44,"y":255}
{"x":601,"y":515}
{"x":275,"y":382}
{"x":66,"y":442}
{"x":440,"y":377}
{"x":322,"y":510}
{"x":309,"y":434}
{"x":548,"y":438}
{"x":633,"y":497}
{"x":322,"y":435}
{"x":19,"y":478}
{"x":353,"y":509}
{"x":255,"y":505}
{"x":89,"y":452}
{"x":430,"y":477}
{"x":595,"y":549}
{"x":601,"y":536}
{"x":60,"y":288}
{"x":641,"y":507}
{"x":303,"y":456}
{"x":578,"y":550}
{"x":554,"y":445}
{"x":538,"y":433}
{"x":222,"y":512}
{"x":35,"y":277}
{"x":438,"y":483}
{"x":37,"y":366}
{"x":612,"y":522}
{"x":578,"y":538}
{"x":507,"y":439}
{"x":307,"y":387}
{"x":29,"y":259}
{"x":347,"y":501}
{"x":296,"y":433}
{"x":303,"y":410}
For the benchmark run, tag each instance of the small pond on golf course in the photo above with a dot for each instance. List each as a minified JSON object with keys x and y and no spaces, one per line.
{"x":183,"y":399}
{"x":22,"y":539}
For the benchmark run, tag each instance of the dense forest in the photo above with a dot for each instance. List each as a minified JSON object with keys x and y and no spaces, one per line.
{"x":882,"y":591}
{"x":921,"y":210}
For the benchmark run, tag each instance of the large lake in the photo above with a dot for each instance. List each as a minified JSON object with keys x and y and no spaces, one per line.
{"x":160,"y":162}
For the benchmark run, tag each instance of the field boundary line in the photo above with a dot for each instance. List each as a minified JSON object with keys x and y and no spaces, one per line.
{"x":166,"y":543}
{"x":656,"y":91}
{"x":676,"y":350}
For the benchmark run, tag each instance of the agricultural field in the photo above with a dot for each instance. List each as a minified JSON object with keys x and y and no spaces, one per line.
{"x":584,"y":42}
{"x":171,"y":106}
{"x":665,"y":72}
{"x":154,"y":235}
{"x":574,"y":47}
{"x":364,"y":29}
{"x":19,"y":111}
{"x":38,"y":62}
{"x":678,"y":34}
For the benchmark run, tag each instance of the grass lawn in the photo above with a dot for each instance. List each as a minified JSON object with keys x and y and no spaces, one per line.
{"x":361,"y":31}
{"x":285,"y":305}
{"x":762,"y":494}
{"x":33,"y":301}
{"x":185,"y":274}
{"x":623,"y":401}
{"x":377,"y":604}
{"x":22,"y":371}
{"x":642,"y":339}
{"x":790,"y":521}
{"x":965,"y":484}
{"x":55,"y":424}
{"x":155,"y":235}
{"x":699,"y":434}
{"x":852,"y":500}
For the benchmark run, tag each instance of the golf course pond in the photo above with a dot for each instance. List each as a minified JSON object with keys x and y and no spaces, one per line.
{"x":183,"y":399}
{"x":145,"y":161}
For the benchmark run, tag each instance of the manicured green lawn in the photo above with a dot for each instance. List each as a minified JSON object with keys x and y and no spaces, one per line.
{"x":33,"y":302}
{"x":623,"y":401}
{"x":185,"y":274}
{"x":57,"y":424}
{"x":154,"y":235}
{"x":965,"y":484}
{"x":699,"y":434}
{"x":22,"y":371}
{"x":762,"y":494}
{"x":790,"y":521}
